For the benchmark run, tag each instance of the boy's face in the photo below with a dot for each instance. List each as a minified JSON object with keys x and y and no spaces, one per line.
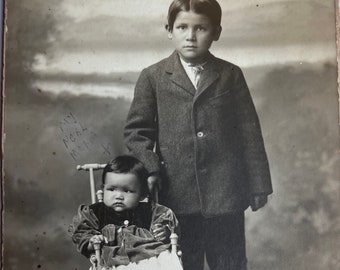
{"x":192,"y":35}
{"x":122,"y":191}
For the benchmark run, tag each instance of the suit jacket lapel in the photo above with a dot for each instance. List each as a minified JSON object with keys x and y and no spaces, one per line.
{"x":208,"y":76}
{"x":178,"y":74}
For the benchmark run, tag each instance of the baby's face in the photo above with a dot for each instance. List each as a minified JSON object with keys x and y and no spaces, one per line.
{"x":192,"y":35}
{"x":122,"y":191}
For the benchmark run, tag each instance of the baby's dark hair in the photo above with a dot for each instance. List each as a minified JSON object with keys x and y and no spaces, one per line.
{"x":209,"y":8}
{"x":128,"y":164}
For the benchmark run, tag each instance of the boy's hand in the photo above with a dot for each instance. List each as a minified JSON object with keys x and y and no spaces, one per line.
{"x":258,"y":201}
{"x":161,"y":232}
{"x":96,"y":239}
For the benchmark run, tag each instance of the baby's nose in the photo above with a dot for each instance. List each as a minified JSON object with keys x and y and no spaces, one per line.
{"x":119,"y":195}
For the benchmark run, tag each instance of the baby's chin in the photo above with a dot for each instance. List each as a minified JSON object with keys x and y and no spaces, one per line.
{"x":120,"y":209}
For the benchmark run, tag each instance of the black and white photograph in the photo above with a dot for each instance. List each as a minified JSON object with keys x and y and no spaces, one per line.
{"x":210,"y":129}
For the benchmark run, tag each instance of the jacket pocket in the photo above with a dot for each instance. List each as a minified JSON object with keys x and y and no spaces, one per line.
{"x":221,"y":99}
{"x":164,"y":148}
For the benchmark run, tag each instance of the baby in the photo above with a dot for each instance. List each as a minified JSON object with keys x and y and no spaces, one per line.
{"x":128,"y":229}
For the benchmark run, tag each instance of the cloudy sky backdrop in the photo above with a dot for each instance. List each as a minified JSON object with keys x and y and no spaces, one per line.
{"x":71,"y":66}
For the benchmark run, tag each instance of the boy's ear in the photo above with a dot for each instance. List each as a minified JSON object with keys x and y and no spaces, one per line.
{"x":217,"y":33}
{"x":167,"y":28}
{"x":169,"y":35}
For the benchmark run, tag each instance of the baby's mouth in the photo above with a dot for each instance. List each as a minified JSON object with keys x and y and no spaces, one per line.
{"x":118,"y":204}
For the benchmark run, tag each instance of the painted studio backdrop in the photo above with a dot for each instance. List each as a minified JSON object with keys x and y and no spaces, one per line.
{"x":71,"y":66}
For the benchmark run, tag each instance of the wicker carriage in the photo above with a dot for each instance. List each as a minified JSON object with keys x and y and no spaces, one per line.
{"x":97,"y":196}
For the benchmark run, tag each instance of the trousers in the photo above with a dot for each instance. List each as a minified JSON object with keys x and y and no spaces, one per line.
{"x":220,"y":239}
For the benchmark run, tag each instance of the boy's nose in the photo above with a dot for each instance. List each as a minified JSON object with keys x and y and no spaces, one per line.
{"x":191,"y":34}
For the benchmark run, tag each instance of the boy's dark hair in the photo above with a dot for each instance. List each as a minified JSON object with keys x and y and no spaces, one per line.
{"x":209,"y":8}
{"x":128,"y":164}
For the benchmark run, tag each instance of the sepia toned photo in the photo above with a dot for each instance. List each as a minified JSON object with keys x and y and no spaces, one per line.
{"x":242,"y":158}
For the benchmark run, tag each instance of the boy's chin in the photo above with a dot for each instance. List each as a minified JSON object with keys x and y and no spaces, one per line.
{"x":193,"y":58}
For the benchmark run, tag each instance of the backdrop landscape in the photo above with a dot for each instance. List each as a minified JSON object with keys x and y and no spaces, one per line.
{"x":70,"y":68}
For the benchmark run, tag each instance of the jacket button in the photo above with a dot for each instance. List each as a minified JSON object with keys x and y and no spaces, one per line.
{"x":200,"y":134}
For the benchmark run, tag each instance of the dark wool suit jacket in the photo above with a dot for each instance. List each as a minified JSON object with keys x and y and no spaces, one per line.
{"x":209,"y":147}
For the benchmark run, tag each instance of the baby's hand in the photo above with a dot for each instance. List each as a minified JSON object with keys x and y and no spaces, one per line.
{"x":161,"y":232}
{"x":96,"y":239}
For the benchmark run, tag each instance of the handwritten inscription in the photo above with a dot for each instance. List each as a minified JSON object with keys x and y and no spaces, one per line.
{"x":79,"y":140}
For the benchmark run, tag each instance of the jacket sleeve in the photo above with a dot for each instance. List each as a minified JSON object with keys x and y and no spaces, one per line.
{"x":165,"y":216}
{"x":254,"y":151}
{"x":84,"y":226}
{"x":141,"y":125}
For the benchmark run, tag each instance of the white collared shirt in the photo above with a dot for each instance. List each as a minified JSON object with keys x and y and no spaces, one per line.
{"x":193,"y":76}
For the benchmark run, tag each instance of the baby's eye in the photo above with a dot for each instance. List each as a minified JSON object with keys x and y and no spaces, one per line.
{"x":129,"y":191}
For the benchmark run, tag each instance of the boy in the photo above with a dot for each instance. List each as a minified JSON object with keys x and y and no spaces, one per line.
{"x":209,"y":154}
{"x":131,"y":231}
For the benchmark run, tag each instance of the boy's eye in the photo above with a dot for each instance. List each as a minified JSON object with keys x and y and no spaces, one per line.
{"x":181,"y":27}
{"x":129,"y":191}
{"x":200,"y":28}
